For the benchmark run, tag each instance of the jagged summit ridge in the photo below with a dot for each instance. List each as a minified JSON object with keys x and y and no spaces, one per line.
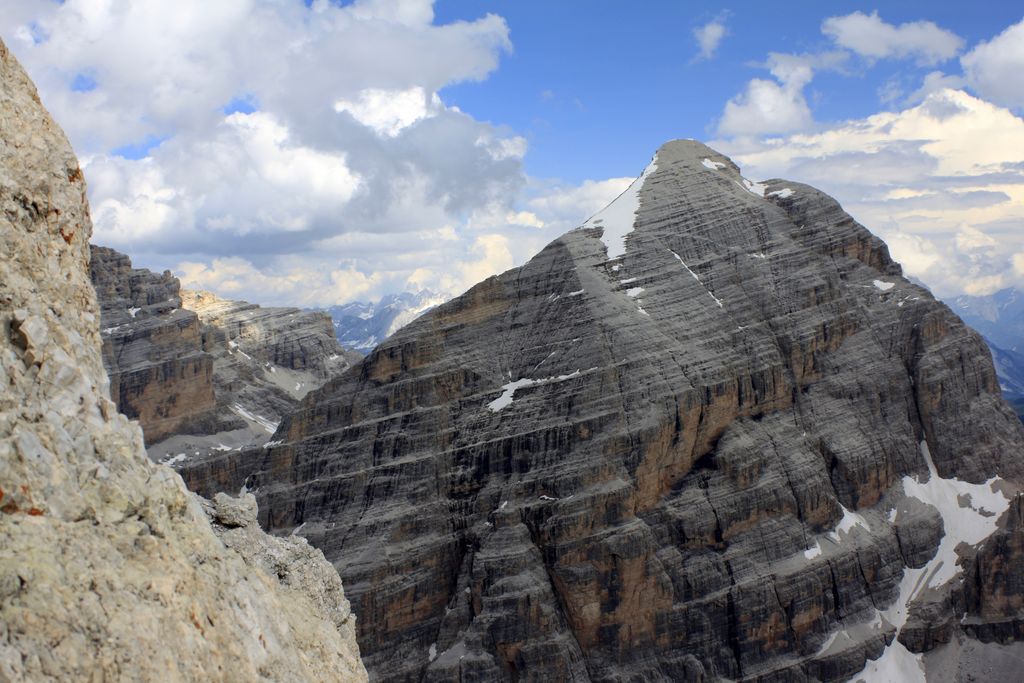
{"x":686,"y":459}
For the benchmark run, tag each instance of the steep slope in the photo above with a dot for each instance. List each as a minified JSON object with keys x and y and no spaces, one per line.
{"x":202,"y":373}
{"x":152,"y":348}
{"x":110,"y":569}
{"x":260,"y":349}
{"x":361,"y":325}
{"x":713,"y":433}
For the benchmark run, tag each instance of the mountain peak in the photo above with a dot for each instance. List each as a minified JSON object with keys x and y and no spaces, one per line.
{"x":639,"y":455}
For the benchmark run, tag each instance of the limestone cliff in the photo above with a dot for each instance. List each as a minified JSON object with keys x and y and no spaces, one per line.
{"x":713,"y":433}
{"x":110,"y":569}
{"x":152,"y":349}
{"x":202,"y":373}
{"x":266,"y":359}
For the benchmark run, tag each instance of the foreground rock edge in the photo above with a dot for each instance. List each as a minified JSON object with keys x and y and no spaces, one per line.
{"x":111,"y":569}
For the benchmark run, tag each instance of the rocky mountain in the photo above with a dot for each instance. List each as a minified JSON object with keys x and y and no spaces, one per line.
{"x":266,"y":359}
{"x":110,"y":569}
{"x":1000,"y":318}
{"x":713,"y":434}
{"x":362,"y":325}
{"x":152,"y":349}
{"x":199,"y":372}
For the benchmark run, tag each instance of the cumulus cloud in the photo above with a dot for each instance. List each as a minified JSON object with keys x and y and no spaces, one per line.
{"x":778,"y":106}
{"x":869,"y":36}
{"x":292,"y":283}
{"x":389,"y":112}
{"x":710,"y":36}
{"x":934,"y":81}
{"x":280,"y":152}
{"x":993,"y":69}
{"x":942,"y":182}
{"x":767,"y":106}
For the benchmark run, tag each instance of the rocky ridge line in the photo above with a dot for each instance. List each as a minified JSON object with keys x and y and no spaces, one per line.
{"x":152,"y":348}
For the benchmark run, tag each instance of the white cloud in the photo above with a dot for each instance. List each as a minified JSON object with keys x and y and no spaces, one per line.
{"x":293,"y":283}
{"x":344,"y":172}
{"x":247,"y":178}
{"x":710,"y":36}
{"x":993,"y":69}
{"x":971,"y":239}
{"x":933,"y":82}
{"x":766,"y":107}
{"x":869,"y":36}
{"x":388,"y":112}
{"x":770,"y":107}
{"x":984,"y":285}
{"x":942,"y":182}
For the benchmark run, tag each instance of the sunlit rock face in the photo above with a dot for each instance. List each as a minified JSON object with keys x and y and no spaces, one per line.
{"x":110,"y":570}
{"x":707,"y":435}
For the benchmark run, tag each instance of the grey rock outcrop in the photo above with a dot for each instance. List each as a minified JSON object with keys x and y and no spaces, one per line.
{"x":203,"y":374}
{"x":110,"y":569}
{"x":697,"y":441}
{"x":152,"y":349}
{"x":266,"y":359}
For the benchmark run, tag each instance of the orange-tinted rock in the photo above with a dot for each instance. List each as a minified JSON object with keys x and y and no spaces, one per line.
{"x":152,"y":348}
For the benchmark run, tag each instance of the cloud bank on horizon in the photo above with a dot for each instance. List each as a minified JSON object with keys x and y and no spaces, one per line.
{"x":305,"y":153}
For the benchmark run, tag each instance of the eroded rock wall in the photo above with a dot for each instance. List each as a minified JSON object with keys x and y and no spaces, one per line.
{"x":110,"y":569}
{"x":152,"y":348}
{"x":684,"y":460}
{"x":203,"y":374}
{"x":266,"y":358}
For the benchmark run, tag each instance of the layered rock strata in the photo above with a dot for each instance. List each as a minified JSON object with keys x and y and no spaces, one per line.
{"x":266,"y":359}
{"x":203,"y":374}
{"x":110,"y":569}
{"x":152,"y":348}
{"x":713,"y":433}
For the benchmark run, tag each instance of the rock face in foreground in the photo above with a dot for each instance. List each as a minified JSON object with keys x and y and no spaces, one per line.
{"x":110,"y":568}
{"x":712,"y":434}
{"x":152,"y":348}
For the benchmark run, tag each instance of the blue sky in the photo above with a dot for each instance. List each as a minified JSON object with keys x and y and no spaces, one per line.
{"x":596,"y":86}
{"x":311,"y":152}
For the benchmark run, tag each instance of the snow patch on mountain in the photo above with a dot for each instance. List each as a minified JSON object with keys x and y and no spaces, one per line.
{"x":618,"y":218}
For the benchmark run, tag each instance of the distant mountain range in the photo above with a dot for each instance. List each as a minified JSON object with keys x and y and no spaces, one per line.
{"x":362,"y":325}
{"x":999,"y":318}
